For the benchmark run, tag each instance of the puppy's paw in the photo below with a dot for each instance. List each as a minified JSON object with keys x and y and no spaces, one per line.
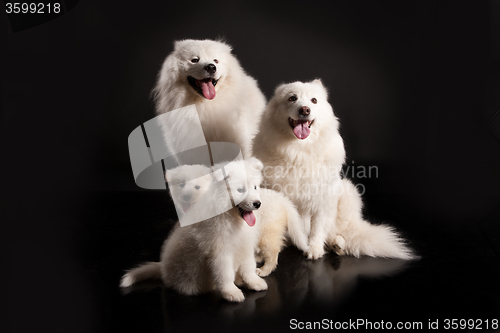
{"x":339,"y":245}
{"x":257,"y":284}
{"x":315,"y":251}
{"x":264,"y":271}
{"x":233,"y":294}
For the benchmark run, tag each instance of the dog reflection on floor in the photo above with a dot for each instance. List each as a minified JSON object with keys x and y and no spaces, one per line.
{"x":324,"y":282}
{"x":331,"y":279}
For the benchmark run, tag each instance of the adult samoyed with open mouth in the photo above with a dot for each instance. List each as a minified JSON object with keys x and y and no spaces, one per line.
{"x":303,"y":152}
{"x":206,"y":74}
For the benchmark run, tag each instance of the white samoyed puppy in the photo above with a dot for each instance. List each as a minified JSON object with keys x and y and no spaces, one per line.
{"x":303,"y":152}
{"x":188,"y":184}
{"x":206,"y":74}
{"x":218,"y":253}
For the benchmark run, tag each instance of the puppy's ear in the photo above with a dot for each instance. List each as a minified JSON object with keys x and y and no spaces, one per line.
{"x":219,"y":175}
{"x":170,"y":175}
{"x":256,"y":163}
{"x":206,"y":176}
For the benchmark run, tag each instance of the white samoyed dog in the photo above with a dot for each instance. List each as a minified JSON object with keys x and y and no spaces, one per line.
{"x":303,"y":152}
{"x":206,"y":74}
{"x":218,"y":253}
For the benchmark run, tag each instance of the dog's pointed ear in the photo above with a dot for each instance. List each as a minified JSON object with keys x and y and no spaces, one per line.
{"x":317,"y":81}
{"x":170,"y":174}
{"x":219,"y":175}
{"x":320,"y":84}
{"x":256,"y":163}
{"x":223,"y":41}
{"x":178,"y":44}
{"x":279,"y":88}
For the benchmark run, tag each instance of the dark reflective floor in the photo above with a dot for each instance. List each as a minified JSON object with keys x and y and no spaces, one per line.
{"x":457,"y":276}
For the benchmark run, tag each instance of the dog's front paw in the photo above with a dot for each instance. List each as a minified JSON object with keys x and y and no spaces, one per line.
{"x":315,"y":251}
{"x":233,"y":294}
{"x":257,"y":284}
{"x":264,"y":271}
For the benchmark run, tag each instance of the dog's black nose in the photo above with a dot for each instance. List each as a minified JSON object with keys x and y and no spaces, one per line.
{"x":256,"y":204}
{"x":210,"y":68}
{"x":304,"y":111}
{"x":186,"y":197}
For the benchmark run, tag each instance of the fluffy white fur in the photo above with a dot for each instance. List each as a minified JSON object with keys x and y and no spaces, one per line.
{"x":305,"y":165}
{"x":229,"y":116}
{"x":353,"y":235}
{"x":276,"y":216}
{"x":218,"y":253}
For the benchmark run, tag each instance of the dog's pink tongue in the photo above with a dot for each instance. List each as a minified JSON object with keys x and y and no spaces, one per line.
{"x":208,"y":89}
{"x":249,"y":218}
{"x":301,"y":131}
{"x":185,"y":206}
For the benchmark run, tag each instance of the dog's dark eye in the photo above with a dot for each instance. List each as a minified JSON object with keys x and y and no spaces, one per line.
{"x":255,"y":187}
{"x":182,"y":185}
{"x":314,"y":100}
{"x":216,"y":61}
{"x":195,"y":60}
{"x":197,"y":187}
{"x":241,"y":190}
{"x":292,"y":98}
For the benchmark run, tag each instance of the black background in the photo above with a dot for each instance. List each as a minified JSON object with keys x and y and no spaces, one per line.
{"x":416,"y":85}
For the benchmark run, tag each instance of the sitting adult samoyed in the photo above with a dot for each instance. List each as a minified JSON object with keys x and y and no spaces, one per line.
{"x":218,"y":253}
{"x":206,"y":74}
{"x":303,"y":152}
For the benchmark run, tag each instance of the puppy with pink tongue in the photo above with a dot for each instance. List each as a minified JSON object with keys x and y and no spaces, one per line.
{"x":218,"y":253}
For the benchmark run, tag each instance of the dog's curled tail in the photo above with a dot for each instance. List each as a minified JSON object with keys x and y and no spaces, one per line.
{"x":364,"y":238}
{"x":146,"y":271}
{"x":360,"y":237}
